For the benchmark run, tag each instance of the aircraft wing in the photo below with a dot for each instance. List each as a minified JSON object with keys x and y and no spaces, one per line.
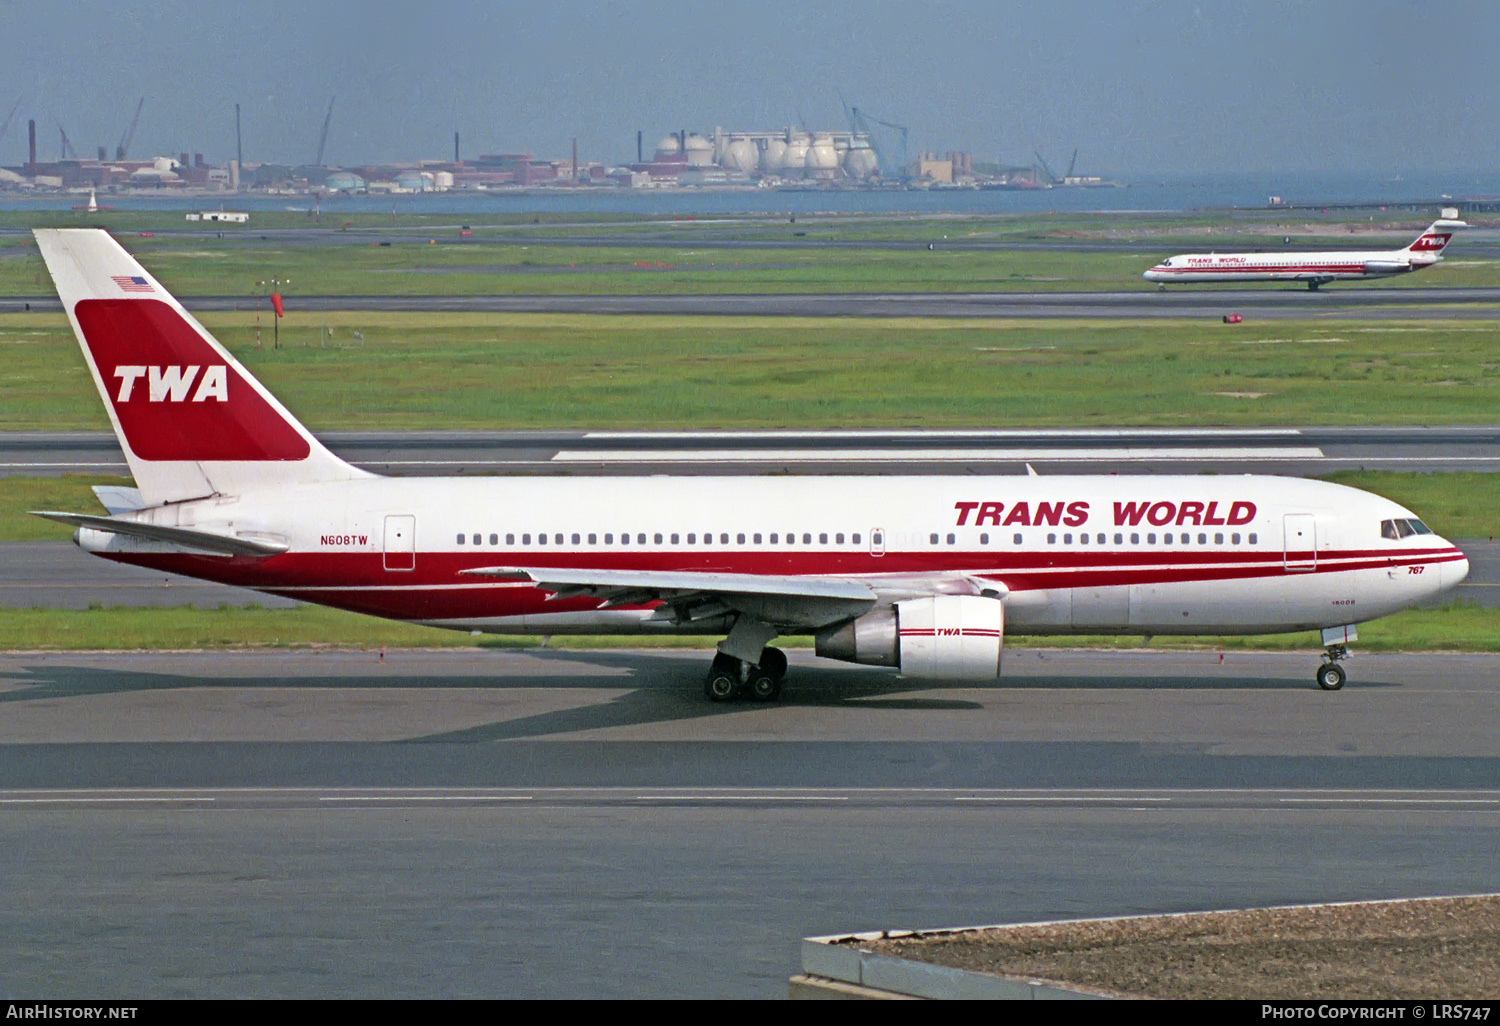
{"x":784,"y":601}
{"x":207,"y":541}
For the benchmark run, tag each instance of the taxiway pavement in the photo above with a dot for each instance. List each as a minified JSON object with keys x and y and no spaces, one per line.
{"x":1287,"y":303}
{"x":1294,"y":451}
{"x":553,"y":824}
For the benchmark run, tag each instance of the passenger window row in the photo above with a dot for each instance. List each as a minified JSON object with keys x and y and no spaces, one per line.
{"x":740,"y":538}
{"x":1184,"y":538}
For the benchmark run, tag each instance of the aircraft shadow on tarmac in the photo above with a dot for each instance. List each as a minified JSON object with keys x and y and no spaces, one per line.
{"x":654,"y":689}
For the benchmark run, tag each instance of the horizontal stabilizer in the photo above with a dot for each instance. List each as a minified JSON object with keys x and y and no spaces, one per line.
{"x":208,"y":541}
{"x":119,"y":499}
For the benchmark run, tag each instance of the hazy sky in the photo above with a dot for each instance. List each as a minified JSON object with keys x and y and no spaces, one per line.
{"x":1153,"y":86}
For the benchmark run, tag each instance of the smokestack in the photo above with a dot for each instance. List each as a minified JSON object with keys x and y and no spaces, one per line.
{"x":182,"y":158}
{"x":639,"y":154}
{"x":455,"y":148}
{"x":575,"y":158}
{"x":103,"y":155}
{"x":31,"y":137}
{"x":239,"y":156}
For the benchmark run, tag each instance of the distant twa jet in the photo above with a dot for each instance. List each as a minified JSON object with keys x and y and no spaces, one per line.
{"x":1314,"y":268}
{"x":923,"y":574}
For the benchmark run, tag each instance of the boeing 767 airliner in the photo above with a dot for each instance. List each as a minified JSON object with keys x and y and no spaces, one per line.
{"x":922,"y":574}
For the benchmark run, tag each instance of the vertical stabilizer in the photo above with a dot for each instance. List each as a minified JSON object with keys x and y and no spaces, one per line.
{"x":1431,"y":243}
{"x":191,"y":419}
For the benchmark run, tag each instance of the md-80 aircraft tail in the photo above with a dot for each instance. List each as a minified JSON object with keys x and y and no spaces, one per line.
{"x":192,"y":421}
{"x":1429,"y":246}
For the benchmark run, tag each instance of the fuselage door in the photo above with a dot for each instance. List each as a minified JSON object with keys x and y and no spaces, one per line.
{"x":1301,"y":549}
{"x":877,"y":541}
{"x":401,"y":543}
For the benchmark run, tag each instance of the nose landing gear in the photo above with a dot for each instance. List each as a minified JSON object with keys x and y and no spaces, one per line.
{"x":1330,"y":675}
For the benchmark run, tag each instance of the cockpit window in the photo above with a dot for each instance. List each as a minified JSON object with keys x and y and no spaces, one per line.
{"x":1402,"y":528}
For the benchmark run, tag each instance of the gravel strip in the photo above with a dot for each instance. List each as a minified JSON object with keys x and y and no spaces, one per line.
{"x":1428,"y":948}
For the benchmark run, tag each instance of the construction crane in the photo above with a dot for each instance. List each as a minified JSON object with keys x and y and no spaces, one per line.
{"x":5,"y":125}
{"x":1071,"y":164}
{"x":67,"y":148}
{"x":124,"y":146}
{"x":323,"y":139}
{"x":861,"y":123}
{"x":1050,"y":176}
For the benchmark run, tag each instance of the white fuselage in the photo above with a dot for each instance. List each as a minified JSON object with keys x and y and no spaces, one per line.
{"x":1127,"y":555}
{"x":1332,"y":266}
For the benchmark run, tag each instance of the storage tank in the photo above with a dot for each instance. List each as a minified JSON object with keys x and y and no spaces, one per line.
{"x":344,"y":181}
{"x":740,"y":156}
{"x":794,"y":162}
{"x":822,"y":158}
{"x":414,"y":181}
{"x":700,"y":152}
{"x":773,"y":156}
{"x":668,"y":147}
{"x":861,"y":163}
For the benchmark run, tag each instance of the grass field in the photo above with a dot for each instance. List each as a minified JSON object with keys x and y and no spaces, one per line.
{"x":497,"y":371}
{"x":1453,"y":628}
{"x":658,"y":255}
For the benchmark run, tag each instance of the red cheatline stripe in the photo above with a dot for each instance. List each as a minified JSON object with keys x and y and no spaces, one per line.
{"x":1267,"y":269}
{"x":353,"y":570}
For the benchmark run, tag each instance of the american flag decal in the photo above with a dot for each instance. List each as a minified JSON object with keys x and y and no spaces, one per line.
{"x":132,"y":283}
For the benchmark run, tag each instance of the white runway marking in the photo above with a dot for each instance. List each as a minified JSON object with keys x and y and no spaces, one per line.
{"x":930,"y":455}
{"x":961,"y":433}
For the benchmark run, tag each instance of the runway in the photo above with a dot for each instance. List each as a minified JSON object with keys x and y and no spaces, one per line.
{"x":1291,"y":302}
{"x":1292,"y":451}
{"x":552,"y":824}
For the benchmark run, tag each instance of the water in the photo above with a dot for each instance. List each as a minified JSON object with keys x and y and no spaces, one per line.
{"x":1162,"y":194}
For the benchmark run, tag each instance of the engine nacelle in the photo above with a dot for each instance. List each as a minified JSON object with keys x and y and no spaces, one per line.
{"x":1386,"y":267}
{"x":945,"y":637}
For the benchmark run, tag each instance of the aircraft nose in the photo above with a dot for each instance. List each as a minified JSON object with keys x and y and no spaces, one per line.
{"x":1454,"y":573}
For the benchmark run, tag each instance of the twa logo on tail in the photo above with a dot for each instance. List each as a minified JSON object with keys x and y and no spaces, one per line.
{"x":171,"y":384}
{"x":191,"y":419}
{"x":175,"y":397}
{"x":1430,"y":243}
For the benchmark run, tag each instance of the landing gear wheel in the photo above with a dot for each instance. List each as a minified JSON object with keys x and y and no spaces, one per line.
{"x":720,"y":687}
{"x":773,"y":661}
{"x":764,"y":687}
{"x":1330,"y":676}
{"x":723,"y":681}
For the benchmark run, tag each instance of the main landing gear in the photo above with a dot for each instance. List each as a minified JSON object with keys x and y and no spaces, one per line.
{"x":728,"y":677}
{"x":1330,"y":675}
